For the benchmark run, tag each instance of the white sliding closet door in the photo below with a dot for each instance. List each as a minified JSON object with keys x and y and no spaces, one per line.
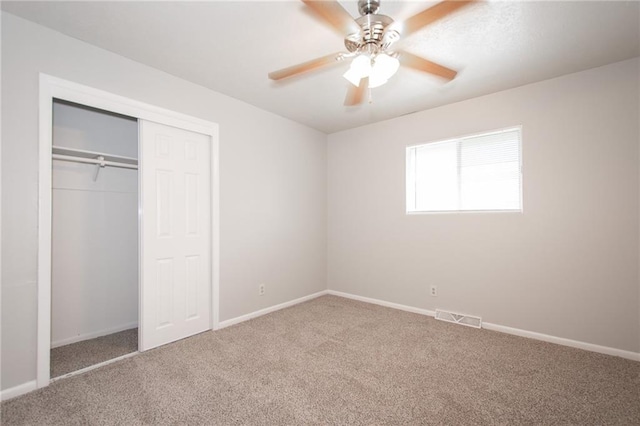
{"x":176,"y":272}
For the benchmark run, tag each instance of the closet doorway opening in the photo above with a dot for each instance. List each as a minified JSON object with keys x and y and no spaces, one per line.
{"x":128,"y":227}
{"x":94,"y":238}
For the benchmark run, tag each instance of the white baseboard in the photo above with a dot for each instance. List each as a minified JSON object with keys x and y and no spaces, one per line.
{"x":93,"y":335}
{"x":18,"y":390}
{"x":635,"y":356}
{"x":268,"y":310}
{"x":383,"y":303}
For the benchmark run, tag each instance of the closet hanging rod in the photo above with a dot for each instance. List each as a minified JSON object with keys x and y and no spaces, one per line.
{"x":94,"y":161}
{"x":81,"y":153}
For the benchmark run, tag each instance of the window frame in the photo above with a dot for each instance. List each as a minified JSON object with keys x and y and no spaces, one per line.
{"x":458,"y":139}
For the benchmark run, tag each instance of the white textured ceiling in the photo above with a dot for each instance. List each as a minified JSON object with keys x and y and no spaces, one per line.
{"x":231,"y":46}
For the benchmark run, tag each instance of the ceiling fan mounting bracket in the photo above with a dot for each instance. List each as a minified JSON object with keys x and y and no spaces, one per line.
{"x":368,"y":7}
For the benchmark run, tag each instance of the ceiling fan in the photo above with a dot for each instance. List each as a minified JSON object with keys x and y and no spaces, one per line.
{"x":369,"y":40}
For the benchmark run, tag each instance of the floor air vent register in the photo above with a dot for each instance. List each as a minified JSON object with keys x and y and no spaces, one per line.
{"x":462,"y":319}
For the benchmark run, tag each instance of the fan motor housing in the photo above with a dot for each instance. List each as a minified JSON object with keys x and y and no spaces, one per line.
{"x":373,"y":34}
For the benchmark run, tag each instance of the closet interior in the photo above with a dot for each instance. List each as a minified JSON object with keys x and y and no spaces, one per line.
{"x":95,"y":261}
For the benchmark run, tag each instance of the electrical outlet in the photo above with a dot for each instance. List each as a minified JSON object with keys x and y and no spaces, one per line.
{"x":261,"y":289}
{"x":434,"y":291}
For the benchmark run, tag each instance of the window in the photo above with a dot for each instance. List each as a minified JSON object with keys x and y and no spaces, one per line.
{"x":473,"y":173}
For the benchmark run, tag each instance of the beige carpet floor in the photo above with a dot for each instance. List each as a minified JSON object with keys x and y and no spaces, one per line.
{"x":338,"y":361}
{"x":77,"y":356}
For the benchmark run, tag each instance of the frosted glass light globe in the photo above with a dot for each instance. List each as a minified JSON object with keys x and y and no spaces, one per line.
{"x":384,"y":67}
{"x":359,"y":69}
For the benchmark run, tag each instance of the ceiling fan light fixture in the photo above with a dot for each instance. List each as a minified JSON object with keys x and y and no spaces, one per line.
{"x":359,"y":69}
{"x":384,"y":66}
{"x":379,"y":71}
{"x":352,"y":77}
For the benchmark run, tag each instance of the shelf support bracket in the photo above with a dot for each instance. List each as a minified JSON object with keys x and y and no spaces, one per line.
{"x":99,"y":165}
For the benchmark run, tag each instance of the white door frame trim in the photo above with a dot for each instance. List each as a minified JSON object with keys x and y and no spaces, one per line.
{"x":53,"y":87}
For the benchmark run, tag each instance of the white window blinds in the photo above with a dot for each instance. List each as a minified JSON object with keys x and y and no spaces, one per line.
{"x":473,"y":173}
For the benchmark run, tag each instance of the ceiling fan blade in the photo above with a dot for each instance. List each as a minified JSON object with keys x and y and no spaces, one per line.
{"x":417,"y":63}
{"x":334,"y":14}
{"x":355,"y":95}
{"x":311,"y":65}
{"x":428,"y":16}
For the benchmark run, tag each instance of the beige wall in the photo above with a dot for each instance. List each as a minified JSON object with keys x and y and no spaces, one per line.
{"x":272,"y":177}
{"x":567,"y":266}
